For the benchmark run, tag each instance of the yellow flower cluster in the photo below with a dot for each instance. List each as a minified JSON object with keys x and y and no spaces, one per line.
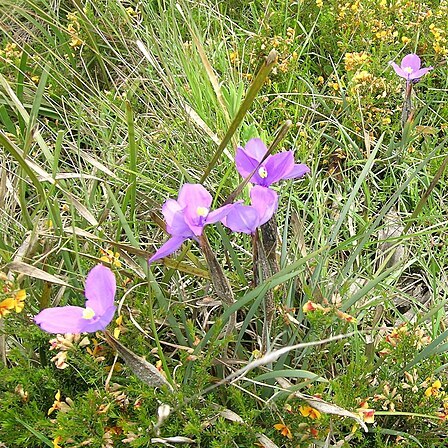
{"x":111,"y":257}
{"x":439,"y":40}
{"x":73,"y":29}
{"x":10,"y":53}
{"x":13,"y":303}
{"x":354,"y":60}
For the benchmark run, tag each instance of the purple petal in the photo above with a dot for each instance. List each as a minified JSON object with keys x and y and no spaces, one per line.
{"x":100,"y":289}
{"x":168,"y":248}
{"x":194,"y":195}
{"x":398,"y":70}
{"x":218,"y":214}
{"x":64,"y":319}
{"x":299,"y":170}
{"x":245,"y":164}
{"x":242,"y":218}
{"x":196,"y":201}
{"x":278,"y":166}
{"x":265,"y":202}
{"x":419,"y":73}
{"x":175,"y":219}
{"x":256,"y":149}
{"x":411,"y":61}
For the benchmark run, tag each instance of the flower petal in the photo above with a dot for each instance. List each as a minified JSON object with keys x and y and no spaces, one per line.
{"x":419,"y":73}
{"x":265,"y":202}
{"x":245,"y":164}
{"x":64,"y":319}
{"x":398,"y":70}
{"x":175,"y":219}
{"x":218,"y":214}
{"x":278,"y":166}
{"x":242,"y":218}
{"x":256,"y":149}
{"x":193,"y":196}
{"x":299,"y":170}
{"x":168,"y":248}
{"x":100,"y":289}
{"x":412,"y":61}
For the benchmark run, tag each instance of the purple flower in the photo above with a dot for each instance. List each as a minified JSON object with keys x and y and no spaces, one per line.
{"x":97,"y":314}
{"x":410,"y":68}
{"x":187,"y":217}
{"x":274,"y":168}
{"x":246,"y":218}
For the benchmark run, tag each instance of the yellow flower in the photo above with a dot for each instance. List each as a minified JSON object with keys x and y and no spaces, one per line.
{"x":311,"y":306}
{"x":111,"y":257}
{"x":308,"y":411}
{"x":6,"y":306}
{"x":19,"y":298}
{"x":319,"y":3}
{"x":284,"y":430}
{"x":56,"y":442}
{"x":366,"y":413}
{"x":433,"y":390}
{"x":59,"y":405}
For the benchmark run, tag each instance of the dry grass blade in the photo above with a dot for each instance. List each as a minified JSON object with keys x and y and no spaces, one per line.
{"x":142,"y":369}
{"x":32,"y":271}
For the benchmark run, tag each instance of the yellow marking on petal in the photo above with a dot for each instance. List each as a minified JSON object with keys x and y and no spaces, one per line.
{"x":408,"y":70}
{"x":202,"y":211}
{"x":88,"y":313}
{"x":263,"y":172}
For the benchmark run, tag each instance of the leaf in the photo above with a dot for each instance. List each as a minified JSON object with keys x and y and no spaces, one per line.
{"x":142,"y":369}
{"x":32,"y":271}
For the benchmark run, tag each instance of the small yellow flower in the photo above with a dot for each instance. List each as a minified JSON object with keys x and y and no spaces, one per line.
{"x":433,"y":390}
{"x":284,"y":430}
{"x":234,"y":57}
{"x":111,"y":257}
{"x":19,"y":298}
{"x":59,"y":405}
{"x":311,"y":306}
{"x":319,"y":3}
{"x":366,"y":413}
{"x":56,"y":442}
{"x":308,"y":411}
{"x":345,"y":316}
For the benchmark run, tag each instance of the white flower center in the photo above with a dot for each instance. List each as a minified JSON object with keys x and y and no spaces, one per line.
{"x":263,"y":172}
{"x":408,"y":70}
{"x":202,"y":211}
{"x":88,"y":313}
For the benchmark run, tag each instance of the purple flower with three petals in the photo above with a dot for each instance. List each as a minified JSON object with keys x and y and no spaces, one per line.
{"x":187,"y":217}
{"x":97,"y":314}
{"x":274,"y":167}
{"x":410,"y":68}
{"x":246,"y":218}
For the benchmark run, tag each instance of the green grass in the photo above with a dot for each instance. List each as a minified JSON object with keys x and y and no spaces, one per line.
{"x":95,"y":137}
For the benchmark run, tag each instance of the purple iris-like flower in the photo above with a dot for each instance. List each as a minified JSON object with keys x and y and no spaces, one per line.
{"x":187,"y":217}
{"x":410,"y":68}
{"x":246,"y":218}
{"x":274,"y":168}
{"x":97,"y":314}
